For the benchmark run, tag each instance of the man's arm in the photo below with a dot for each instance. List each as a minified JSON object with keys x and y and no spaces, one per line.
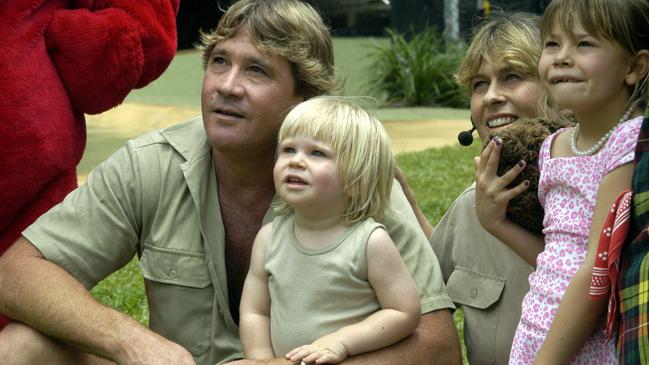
{"x":421,"y":218}
{"x":434,"y":341}
{"x":42,"y":295}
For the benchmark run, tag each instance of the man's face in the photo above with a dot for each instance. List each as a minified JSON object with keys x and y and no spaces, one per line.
{"x":246,"y":94}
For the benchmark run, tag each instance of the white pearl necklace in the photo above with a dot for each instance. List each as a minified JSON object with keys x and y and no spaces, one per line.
{"x":600,"y":143}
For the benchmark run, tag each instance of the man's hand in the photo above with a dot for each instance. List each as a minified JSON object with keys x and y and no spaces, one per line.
{"x":47,"y":298}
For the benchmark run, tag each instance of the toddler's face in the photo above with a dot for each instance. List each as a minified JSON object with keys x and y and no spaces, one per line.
{"x":307,"y":177}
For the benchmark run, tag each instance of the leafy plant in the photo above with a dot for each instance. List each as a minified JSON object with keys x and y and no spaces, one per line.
{"x":417,"y":72}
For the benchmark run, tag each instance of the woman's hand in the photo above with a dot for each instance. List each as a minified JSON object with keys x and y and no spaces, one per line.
{"x":492,"y":195}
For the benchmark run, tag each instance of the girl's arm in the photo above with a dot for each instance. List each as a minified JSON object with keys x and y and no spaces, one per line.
{"x":254,"y":310}
{"x":491,"y":199}
{"x":578,"y":316}
{"x":398,"y":317}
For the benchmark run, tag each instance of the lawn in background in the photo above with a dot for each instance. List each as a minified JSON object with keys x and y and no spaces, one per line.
{"x":181,"y":84}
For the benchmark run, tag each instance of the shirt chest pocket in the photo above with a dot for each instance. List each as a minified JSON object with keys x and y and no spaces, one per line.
{"x":478,"y":293}
{"x":473,"y":288}
{"x":180,"y":295}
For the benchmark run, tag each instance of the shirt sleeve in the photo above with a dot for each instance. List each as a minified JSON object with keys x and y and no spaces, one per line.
{"x":620,"y":148}
{"x":444,"y":239}
{"x":416,"y":252}
{"x":94,"y":231}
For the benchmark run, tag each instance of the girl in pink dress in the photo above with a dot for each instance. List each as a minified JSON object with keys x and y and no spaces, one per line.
{"x":594,"y":63}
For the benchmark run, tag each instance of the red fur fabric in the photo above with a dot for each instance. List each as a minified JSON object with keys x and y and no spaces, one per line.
{"x":60,"y":59}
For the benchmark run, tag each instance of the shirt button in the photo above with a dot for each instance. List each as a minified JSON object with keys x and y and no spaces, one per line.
{"x":172,"y":273}
{"x":473,"y":292}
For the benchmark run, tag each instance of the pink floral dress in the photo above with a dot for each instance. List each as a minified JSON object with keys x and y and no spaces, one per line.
{"x":567,"y":190}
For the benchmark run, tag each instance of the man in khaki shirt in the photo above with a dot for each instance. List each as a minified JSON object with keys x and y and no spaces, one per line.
{"x":188,"y":200}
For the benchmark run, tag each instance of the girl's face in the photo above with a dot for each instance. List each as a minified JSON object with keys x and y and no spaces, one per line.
{"x":307,"y":177}
{"x":500,"y":96}
{"x":584,"y":72}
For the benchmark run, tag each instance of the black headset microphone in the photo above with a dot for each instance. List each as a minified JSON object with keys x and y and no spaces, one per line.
{"x":466,"y":137}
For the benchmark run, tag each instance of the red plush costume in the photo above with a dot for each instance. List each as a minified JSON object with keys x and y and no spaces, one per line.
{"x":60,"y":59}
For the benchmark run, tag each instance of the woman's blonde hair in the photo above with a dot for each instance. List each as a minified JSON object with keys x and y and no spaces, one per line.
{"x":363,"y":155}
{"x":513,"y":39}
{"x":289,"y":28}
{"x":623,"y":21}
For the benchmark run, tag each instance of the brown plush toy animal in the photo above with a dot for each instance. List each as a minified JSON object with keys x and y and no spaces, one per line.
{"x":522,"y":141}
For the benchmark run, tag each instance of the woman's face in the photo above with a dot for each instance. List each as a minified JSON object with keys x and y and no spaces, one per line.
{"x":500,"y":96}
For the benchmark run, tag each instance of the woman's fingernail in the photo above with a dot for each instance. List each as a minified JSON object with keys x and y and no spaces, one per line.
{"x":497,"y":139}
{"x":521,"y":163}
{"x":526,"y":183}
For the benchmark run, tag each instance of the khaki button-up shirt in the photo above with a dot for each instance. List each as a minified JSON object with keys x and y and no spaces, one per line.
{"x":485,"y":277}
